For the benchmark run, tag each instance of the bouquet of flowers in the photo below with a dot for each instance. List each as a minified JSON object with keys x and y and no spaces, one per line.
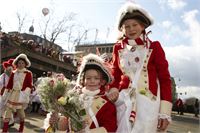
{"x":57,"y":95}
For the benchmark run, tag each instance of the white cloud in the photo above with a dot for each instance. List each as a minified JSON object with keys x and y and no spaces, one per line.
{"x":166,"y":24}
{"x":172,"y":33}
{"x":183,"y":63}
{"x":194,"y":27}
{"x":188,"y":91}
{"x":184,"y":59}
{"x":173,"y":4}
{"x":176,"y":4}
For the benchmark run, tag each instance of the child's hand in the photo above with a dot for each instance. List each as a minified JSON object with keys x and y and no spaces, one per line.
{"x":113,"y":94}
{"x":162,"y":124}
{"x":63,"y":123}
{"x":86,"y":122}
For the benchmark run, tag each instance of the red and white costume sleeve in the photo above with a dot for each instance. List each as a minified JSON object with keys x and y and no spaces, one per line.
{"x":3,"y":83}
{"x":3,"y":80}
{"x":19,"y":85}
{"x":105,"y":113}
{"x":155,"y":69}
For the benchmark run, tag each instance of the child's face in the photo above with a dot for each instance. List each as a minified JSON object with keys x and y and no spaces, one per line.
{"x":9,"y":69}
{"x":132,"y":28}
{"x":92,"y":80}
{"x":21,"y":64}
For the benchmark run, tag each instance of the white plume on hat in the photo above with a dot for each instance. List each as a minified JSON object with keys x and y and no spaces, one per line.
{"x":22,"y":56}
{"x":94,"y":60}
{"x":131,"y":7}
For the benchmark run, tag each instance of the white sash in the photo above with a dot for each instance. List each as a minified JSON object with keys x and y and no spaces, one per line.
{"x":124,"y":110}
{"x":93,"y":117}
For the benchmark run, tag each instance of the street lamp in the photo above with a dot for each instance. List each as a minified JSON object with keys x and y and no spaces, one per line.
{"x":176,"y":87}
{"x":182,"y":93}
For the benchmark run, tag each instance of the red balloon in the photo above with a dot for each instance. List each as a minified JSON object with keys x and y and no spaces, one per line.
{"x":45,"y":11}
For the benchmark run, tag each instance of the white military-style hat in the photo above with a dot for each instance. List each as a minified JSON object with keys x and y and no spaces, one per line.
{"x":22,"y":56}
{"x":132,"y":10}
{"x":92,"y":61}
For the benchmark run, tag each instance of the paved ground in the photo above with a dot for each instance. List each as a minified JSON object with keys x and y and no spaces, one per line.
{"x":180,"y":124}
{"x":186,"y":123}
{"x":33,"y":124}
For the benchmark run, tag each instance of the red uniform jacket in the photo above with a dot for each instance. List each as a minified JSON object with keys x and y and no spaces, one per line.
{"x":106,"y":115}
{"x":157,"y":69}
{"x":27,"y":81}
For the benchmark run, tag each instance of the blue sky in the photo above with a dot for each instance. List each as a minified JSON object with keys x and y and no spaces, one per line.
{"x":176,"y":26}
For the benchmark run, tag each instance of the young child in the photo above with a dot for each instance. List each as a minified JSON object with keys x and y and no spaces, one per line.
{"x":92,"y":78}
{"x":8,"y":68}
{"x":19,"y":88}
{"x":142,"y":86}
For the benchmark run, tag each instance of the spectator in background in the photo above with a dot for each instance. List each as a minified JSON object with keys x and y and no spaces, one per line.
{"x":35,"y":100}
{"x":67,"y":59}
{"x":179,"y":106}
{"x":49,"y":74}
{"x":4,"y":39}
{"x":196,"y":108}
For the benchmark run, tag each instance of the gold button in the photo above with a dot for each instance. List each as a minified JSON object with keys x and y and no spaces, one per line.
{"x":98,"y":107}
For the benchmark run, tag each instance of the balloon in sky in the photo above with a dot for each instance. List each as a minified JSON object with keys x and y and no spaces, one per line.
{"x":45,"y":11}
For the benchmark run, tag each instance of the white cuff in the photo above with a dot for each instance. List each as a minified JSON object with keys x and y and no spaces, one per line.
{"x":164,"y":116}
{"x":165,"y":107}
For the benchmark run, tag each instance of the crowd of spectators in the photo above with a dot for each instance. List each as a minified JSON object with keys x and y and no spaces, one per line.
{"x":4,"y":40}
{"x":32,"y":45}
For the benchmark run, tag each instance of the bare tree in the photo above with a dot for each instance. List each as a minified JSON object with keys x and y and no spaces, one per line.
{"x":51,"y":29}
{"x":20,"y":21}
{"x":69,"y":38}
{"x":44,"y":32}
{"x":56,"y":28}
{"x":81,"y":36}
{"x":75,"y":34}
{"x":61,"y":27}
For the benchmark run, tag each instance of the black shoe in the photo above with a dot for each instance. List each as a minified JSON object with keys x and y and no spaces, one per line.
{"x":10,"y":125}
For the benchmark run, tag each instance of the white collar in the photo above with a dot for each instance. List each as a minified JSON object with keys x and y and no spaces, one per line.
{"x":132,"y":42}
{"x":90,"y":93}
{"x":129,"y":47}
{"x":21,"y":70}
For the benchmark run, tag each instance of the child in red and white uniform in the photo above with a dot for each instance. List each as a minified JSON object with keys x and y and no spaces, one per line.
{"x":8,"y":68}
{"x":92,"y":78}
{"x":19,"y":89}
{"x":142,"y":87}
